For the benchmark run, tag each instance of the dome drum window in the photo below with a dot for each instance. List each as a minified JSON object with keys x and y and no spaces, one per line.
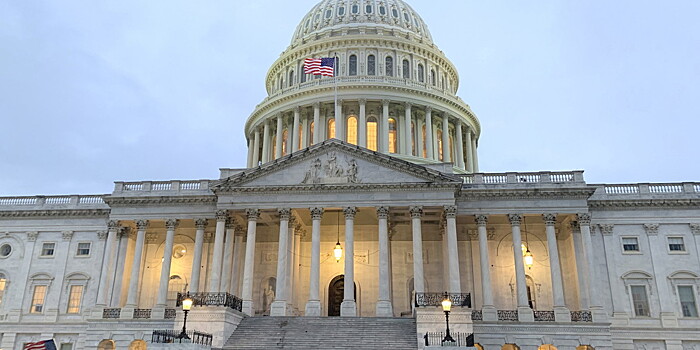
{"x":352,"y":66}
{"x":5,"y":250}
{"x":355,"y":9}
{"x":368,"y":9}
{"x":382,"y":10}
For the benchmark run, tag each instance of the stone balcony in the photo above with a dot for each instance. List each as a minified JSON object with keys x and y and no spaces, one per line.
{"x":689,"y":190}
{"x":48,"y":203}
{"x":523,"y":179}
{"x":161,"y":188}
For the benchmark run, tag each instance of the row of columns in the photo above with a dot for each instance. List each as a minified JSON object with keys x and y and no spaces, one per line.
{"x":405,"y":138}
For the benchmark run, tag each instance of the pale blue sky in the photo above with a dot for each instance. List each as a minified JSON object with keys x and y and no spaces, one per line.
{"x":93,"y":92}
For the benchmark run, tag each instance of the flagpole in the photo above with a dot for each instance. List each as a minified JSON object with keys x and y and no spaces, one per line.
{"x":335,"y":80}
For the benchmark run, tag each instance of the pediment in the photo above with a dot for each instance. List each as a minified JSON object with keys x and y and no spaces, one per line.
{"x":335,"y":163}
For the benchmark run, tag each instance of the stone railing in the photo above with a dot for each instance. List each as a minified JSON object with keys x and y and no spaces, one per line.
{"x":67,"y":201}
{"x":142,"y":313}
{"x":211,"y":299}
{"x":162,"y":186}
{"x":648,"y":188}
{"x":435,"y":299}
{"x":542,"y":177}
{"x":114,"y":312}
{"x":507,"y":315}
{"x":477,"y":315}
{"x":170,"y":313}
{"x":581,"y":316}
{"x":544,"y":316}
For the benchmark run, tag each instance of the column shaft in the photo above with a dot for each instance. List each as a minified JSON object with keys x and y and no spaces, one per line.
{"x":132,"y":296}
{"x":279,"y":305}
{"x":452,"y":249}
{"x":429,"y":133}
{"x":256,"y":149}
{"x":227,"y":259}
{"x":475,"y":157}
{"x":248,"y":266}
{"x":278,"y":137}
{"x":348,"y":307}
{"x":418,"y":277}
{"x":103,"y":292}
{"x":304,"y":132}
{"x":289,"y":269}
{"x":249,"y":164}
{"x":384,"y":306}
{"x":339,"y":121}
{"x":362,"y":133}
{"x":597,"y":311}
{"x":459,"y":144}
{"x":313,"y":305}
{"x":384,"y":134}
{"x":295,"y":130}
{"x":217,"y":259}
{"x":237,"y":254}
{"x":561,"y":313}
{"x":200,"y":224}
{"x":524,"y":311}
{"x":318,"y":128}
{"x":446,"y":139}
{"x":266,"y":143}
{"x":408,"y":134}
{"x":165,"y":266}
{"x":486,"y":287}
{"x":470,"y":153}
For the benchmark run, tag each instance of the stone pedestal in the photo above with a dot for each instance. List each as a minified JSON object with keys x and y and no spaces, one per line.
{"x":313,"y":308}
{"x":489,"y":313}
{"x":219,"y":321}
{"x":278,"y":308}
{"x":562,"y":314}
{"x":525,"y":314}
{"x":348,"y":308}
{"x":384,"y":309}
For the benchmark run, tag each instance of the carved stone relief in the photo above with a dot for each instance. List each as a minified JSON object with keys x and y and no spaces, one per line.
{"x":331,"y":171}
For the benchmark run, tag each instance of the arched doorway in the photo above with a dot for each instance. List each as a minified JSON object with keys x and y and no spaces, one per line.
{"x":585,"y":347}
{"x":107,"y":344}
{"x":138,"y":345}
{"x":547,"y":347}
{"x":510,"y":347}
{"x":336,"y":291}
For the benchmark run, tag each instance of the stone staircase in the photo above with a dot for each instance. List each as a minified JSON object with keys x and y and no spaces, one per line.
{"x":324,"y":333}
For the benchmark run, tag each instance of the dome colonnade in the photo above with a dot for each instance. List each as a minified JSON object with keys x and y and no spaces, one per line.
{"x":395,"y":90}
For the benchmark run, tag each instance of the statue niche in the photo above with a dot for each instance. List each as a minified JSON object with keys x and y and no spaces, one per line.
{"x":331,"y":171}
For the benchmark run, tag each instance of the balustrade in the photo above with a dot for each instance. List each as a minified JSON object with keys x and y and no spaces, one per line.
{"x":507,"y":315}
{"x":111,"y":312}
{"x":142,"y":313}
{"x":460,"y":339}
{"x":522,"y":178}
{"x":211,"y":299}
{"x":477,"y":315}
{"x":172,"y":336}
{"x":581,"y":316}
{"x":544,"y":316}
{"x":435,"y":299}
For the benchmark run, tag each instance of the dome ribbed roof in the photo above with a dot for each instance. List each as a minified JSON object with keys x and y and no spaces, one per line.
{"x":347,"y":14}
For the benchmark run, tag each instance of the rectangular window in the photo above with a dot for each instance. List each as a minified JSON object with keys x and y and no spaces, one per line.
{"x":675,"y":244}
{"x":47,"y":249}
{"x":630,"y":244}
{"x":83,"y":249}
{"x":640,"y":301}
{"x":66,"y":346}
{"x":687,"y":298}
{"x":38,"y":299}
{"x":74,"y":298}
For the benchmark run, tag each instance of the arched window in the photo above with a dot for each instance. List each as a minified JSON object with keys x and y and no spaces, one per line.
{"x":425,"y":145}
{"x":176,"y":285}
{"x":3,"y":287}
{"x":389,"y":66}
{"x":413,"y":139}
{"x":392,"y":135}
{"x":432,"y":77}
{"x":372,"y":133}
{"x":368,"y":9}
{"x":547,"y":347}
{"x":352,"y":130}
{"x":285,"y":138}
{"x":355,"y":9}
{"x":439,"y":144}
{"x":421,"y":73}
{"x":371,"y":65}
{"x":290,"y":82}
{"x":301,"y":132}
{"x":273,"y":147}
{"x":406,"y":70}
{"x":302,"y":77}
{"x":452,"y":150}
{"x":138,"y":344}
{"x":382,"y":10}
{"x":331,"y":129}
{"x":107,"y":344}
{"x":352,"y":67}
{"x":311,"y":133}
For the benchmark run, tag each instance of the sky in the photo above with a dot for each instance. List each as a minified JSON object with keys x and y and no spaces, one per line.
{"x":93,"y":92}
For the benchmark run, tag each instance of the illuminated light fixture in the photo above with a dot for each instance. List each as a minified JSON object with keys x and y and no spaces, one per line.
{"x":528,"y":258}
{"x":523,"y":247}
{"x":338,"y":251}
{"x":183,"y":251}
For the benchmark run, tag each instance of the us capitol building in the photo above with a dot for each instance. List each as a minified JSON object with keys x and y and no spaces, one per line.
{"x":390,"y":175}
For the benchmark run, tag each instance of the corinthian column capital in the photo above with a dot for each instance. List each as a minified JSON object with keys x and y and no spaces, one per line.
{"x":350,"y":212}
{"x":481,"y":220}
{"x":416,"y":211}
{"x":549,"y":219}
{"x":515,"y":219}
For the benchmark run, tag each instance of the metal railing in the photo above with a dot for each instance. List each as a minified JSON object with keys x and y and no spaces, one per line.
{"x":507,"y":315}
{"x":114,"y":312}
{"x":477,"y":315}
{"x":460,"y":339}
{"x":212,"y":299}
{"x":435,"y":299}
{"x":171,"y":336}
{"x":169,"y":313}
{"x":142,"y":313}
{"x":581,"y":316}
{"x":544,"y":316}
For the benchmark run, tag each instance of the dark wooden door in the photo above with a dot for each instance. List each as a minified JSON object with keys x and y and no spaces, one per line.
{"x":335,"y":295}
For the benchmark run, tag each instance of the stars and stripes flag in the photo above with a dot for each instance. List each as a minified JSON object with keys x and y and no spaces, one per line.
{"x":319,"y":66}
{"x":40,"y":345}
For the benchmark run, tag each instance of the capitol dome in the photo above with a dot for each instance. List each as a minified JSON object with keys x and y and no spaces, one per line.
{"x":393,"y":92}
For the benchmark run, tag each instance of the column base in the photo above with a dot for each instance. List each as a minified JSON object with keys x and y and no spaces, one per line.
{"x":525,"y":314}
{"x":97,"y":311}
{"x":158,"y":312}
{"x":669,"y":320}
{"x":247,"y":308}
{"x":599,"y":315}
{"x":489,"y":313}
{"x":384,"y":309}
{"x":313,"y":308}
{"x":127,"y":312}
{"x":278,"y":308}
{"x":562,"y":314}
{"x":348,"y":308}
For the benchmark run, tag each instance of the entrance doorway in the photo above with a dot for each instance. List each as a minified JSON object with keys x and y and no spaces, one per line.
{"x":336,"y":291}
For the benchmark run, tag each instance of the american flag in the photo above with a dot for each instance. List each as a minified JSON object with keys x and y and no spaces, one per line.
{"x":319,"y":66}
{"x":40,"y":345}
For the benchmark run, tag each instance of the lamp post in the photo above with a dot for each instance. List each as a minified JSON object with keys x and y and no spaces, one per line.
{"x":446,"y":306}
{"x":186,"y":305}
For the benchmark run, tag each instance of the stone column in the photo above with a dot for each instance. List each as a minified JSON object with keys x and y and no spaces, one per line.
{"x":429,"y":132}
{"x":348,"y":307}
{"x":581,"y":265}
{"x":295,"y":131}
{"x":595,"y":302}
{"x":279,"y":305}
{"x":256,"y":149}
{"x":289,"y":269}
{"x":459,"y":143}
{"x":384,"y":134}
{"x":313,"y":306}
{"x":419,"y":138}
{"x":407,"y":135}
{"x":418,"y":277}
{"x":266,"y":142}
{"x":488,"y":309}
{"x":339,"y":121}
{"x":200,"y":224}
{"x":215,"y":279}
{"x":109,"y":262}
{"x":162,"y":300}
{"x":452,"y":249}
{"x":362,"y":133}
{"x":384,"y":306}
{"x":278,"y":137}
{"x":117,"y":279}
{"x":475,"y":157}
{"x":237,"y":254}
{"x":248,"y":266}
{"x":228,"y":256}
{"x":470,"y":157}
{"x":525,"y":314}
{"x":298,"y":234}
{"x":249,"y":163}
{"x":132,"y":296}
{"x":318,"y":129}
{"x":446,"y":151}
{"x":304,"y":131}
{"x":561,"y":313}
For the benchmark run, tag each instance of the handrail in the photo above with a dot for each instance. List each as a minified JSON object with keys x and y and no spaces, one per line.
{"x":437,"y":339}
{"x":172,"y":336}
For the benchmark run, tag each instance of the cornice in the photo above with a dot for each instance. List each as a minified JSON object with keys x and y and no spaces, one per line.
{"x":56,"y":213}
{"x":525,"y":193}
{"x":159,"y":200}
{"x":622,"y":204}
{"x":369,"y":187}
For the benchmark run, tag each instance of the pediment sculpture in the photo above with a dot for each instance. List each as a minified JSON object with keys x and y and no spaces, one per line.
{"x":331,"y":171}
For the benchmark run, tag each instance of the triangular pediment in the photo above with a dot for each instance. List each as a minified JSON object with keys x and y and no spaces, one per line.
{"x":335,"y":163}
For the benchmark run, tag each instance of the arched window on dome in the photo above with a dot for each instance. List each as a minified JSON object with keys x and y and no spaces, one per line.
{"x":382,"y":10}
{"x":352,"y":130}
{"x":302,"y":76}
{"x":371,"y":65}
{"x":406,"y":70}
{"x":341,"y":11}
{"x":285,"y":138}
{"x":352,"y":66}
{"x":425,"y":145}
{"x":439,"y":144}
{"x":355,"y":9}
{"x":331,"y":128}
{"x":368,"y":9}
{"x":273,"y":147}
{"x":392,"y":135}
{"x":372,"y":133}
{"x":311,"y":134}
{"x":421,"y":73}
{"x":413,"y":139}
{"x":452,"y":149}
{"x":432,"y":77}
{"x":389,"y":66}
{"x":290,"y":82}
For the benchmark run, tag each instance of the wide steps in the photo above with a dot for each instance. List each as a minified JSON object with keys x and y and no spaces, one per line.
{"x":323,"y":333}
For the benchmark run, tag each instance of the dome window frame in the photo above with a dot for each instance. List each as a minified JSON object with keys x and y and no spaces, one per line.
{"x":5,"y":250}
{"x":371,"y":64}
{"x":368,"y":9}
{"x":352,"y":65}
